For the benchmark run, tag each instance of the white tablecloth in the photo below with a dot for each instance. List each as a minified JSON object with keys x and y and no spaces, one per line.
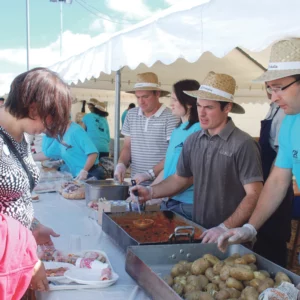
{"x":68,"y":217}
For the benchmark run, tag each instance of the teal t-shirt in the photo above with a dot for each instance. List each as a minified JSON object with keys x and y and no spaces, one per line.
{"x":124,"y":114}
{"x":178,"y":137}
{"x":98,"y":130}
{"x":288,"y":156}
{"x":75,"y":152}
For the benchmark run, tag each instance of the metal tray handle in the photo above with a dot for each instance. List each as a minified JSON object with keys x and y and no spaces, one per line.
{"x":177,"y":233}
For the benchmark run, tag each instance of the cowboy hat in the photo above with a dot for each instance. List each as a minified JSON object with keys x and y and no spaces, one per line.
{"x":284,"y":60}
{"x":99,"y":105}
{"x":218,"y":87}
{"x":147,"y":82}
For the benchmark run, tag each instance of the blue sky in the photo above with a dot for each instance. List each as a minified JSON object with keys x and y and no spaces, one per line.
{"x":84,"y":27}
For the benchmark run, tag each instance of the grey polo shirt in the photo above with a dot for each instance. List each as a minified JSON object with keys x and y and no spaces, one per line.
{"x":221,"y":165}
{"x":149,"y":137}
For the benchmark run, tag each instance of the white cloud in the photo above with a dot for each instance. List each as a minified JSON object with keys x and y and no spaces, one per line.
{"x":103,"y":25}
{"x":72,"y":44}
{"x":137,"y":10}
{"x":172,"y":2}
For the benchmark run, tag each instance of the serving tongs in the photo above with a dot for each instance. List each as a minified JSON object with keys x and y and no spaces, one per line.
{"x":136,"y":194}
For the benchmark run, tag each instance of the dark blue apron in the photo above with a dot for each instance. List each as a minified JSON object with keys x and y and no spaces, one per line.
{"x":277,"y":229}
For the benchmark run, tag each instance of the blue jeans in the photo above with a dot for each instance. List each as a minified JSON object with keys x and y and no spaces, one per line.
{"x":183,"y":209}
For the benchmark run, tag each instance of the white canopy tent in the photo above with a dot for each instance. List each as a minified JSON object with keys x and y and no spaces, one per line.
{"x":187,"y":41}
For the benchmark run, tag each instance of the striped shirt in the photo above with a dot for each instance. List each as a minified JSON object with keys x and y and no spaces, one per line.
{"x":149,"y":137}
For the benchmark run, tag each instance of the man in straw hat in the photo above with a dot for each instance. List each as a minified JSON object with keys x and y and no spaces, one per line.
{"x":222,"y":161}
{"x":147,"y":129}
{"x":283,"y":83}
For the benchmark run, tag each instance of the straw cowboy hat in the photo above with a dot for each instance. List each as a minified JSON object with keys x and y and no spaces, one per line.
{"x":97,"y":104}
{"x":148,"y":82}
{"x":284,"y":60}
{"x":218,"y":87}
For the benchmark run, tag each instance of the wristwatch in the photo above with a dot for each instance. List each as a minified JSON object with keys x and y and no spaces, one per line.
{"x":152,"y":174}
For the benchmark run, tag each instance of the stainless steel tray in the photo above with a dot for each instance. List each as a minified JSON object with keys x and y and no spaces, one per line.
{"x":123,"y":239}
{"x":148,"y":264}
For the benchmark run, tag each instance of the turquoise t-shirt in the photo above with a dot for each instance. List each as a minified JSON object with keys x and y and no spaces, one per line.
{"x":75,"y":152}
{"x":179,"y":135}
{"x":288,"y":156}
{"x":98,"y":130}
{"x":124,"y":114}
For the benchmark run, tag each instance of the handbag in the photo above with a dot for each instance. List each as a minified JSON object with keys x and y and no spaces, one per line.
{"x":13,"y":149}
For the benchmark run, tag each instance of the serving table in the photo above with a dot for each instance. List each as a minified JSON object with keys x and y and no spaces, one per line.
{"x":72,"y":217}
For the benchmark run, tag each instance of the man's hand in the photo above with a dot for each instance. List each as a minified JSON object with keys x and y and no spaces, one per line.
{"x":39,"y":280}
{"x":212,"y":235}
{"x":236,"y":236}
{"x":120,"y":172}
{"x":83,"y":174}
{"x":140,"y":177}
{"x":42,"y":235}
{"x":144,"y":193}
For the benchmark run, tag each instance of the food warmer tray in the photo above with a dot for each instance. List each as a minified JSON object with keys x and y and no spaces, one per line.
{"x":148,"y":264}
{"x":123,"y":239}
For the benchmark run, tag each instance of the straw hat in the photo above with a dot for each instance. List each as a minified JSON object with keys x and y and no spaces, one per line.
{"x":97,"y":104}
{"x":148,"y":82}
{"x":218,"y":87}
{"x":284,"y":60}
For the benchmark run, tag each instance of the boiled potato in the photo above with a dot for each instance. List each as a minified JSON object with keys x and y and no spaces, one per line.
{"x":177,"y":270}
{"x":216,"y":279}
{"x":217,"y":267}
{"x":242,"y":266}
{"x":234,"y":293}
{"x":209,"y":273}
{"x":180,"y":279}
{"x":190,"y":288}
{"x":267,"y":274}
{"x":241,"y":273}
{"x":253,"y":267}
{"x":235,"y":255}
{"x":249,"y":258}
{"x":169,"y":280}
{"x":240,"y":261}
{"x":259,"y":275}
{"x":199,"y":266}
{"x":225,"y":272}
{"x":178,"y":288}
{"x":211,"y":287}
{"x":255,"y":282}
{"x":249,"y":293}
{"x":267,"y":283}
{"x":197,"y":295}
{"x":222,"y":285}
{"x":223,"y":294}
{"x":203,"y":281}
{"x":280,"y":277}
{"x":211,"y":258}
{"x":234,"y":283}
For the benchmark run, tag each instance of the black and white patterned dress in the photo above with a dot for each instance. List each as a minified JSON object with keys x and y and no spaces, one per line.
{"x":15,"y":196}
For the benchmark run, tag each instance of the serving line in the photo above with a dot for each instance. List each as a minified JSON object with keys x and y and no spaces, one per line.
{"x":72,"y":217}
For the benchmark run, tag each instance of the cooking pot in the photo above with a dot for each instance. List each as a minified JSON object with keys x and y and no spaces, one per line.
{"x":109,"y":189}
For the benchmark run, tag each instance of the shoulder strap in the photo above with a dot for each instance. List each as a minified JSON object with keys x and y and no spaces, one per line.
{"x":19,"y":157}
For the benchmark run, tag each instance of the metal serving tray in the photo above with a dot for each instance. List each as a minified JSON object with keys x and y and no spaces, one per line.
{"x":123,"y":239}
{"x":148,"y":264}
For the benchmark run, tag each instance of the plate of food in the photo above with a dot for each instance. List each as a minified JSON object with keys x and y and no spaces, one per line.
{"x":55,"y":270}
{"x":101,"y":278}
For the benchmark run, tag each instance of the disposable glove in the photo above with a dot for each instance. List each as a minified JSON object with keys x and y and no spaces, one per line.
{"x":140,"y":177}
{"x":83,"y":174}
{"x":212,"y":235}
{"x":144,"y":193}
{"x":237,"y":236}
{"x":120,"y":172}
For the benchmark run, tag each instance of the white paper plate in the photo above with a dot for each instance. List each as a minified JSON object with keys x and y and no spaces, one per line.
{"x":88,"y":276}
{"x":54,"y":265}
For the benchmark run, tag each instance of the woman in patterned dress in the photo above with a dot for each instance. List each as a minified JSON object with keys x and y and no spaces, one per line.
{"x":38,"y":101}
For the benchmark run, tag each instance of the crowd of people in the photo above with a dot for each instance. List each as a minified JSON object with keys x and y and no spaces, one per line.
{"x":191,"y":156}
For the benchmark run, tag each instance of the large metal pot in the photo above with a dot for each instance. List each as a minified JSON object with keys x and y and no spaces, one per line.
{"x":109,"y":189}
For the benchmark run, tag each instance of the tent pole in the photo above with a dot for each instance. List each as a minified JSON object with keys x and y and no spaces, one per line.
{"x":117,"y":117}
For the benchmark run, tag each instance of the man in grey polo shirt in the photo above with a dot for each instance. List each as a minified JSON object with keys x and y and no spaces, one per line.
{"x":147,"y":129}
{"x":222,"y":161}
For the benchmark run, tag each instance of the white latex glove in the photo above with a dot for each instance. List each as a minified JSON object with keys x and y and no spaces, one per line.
{"x":120,"y":172}
{"x":140,"y":177}
{"x":52,"y":163}
{"x":237,"y":236}
{"x":212,"y":235}
{"x":144,"y":193}
{"x":83,"y":174}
